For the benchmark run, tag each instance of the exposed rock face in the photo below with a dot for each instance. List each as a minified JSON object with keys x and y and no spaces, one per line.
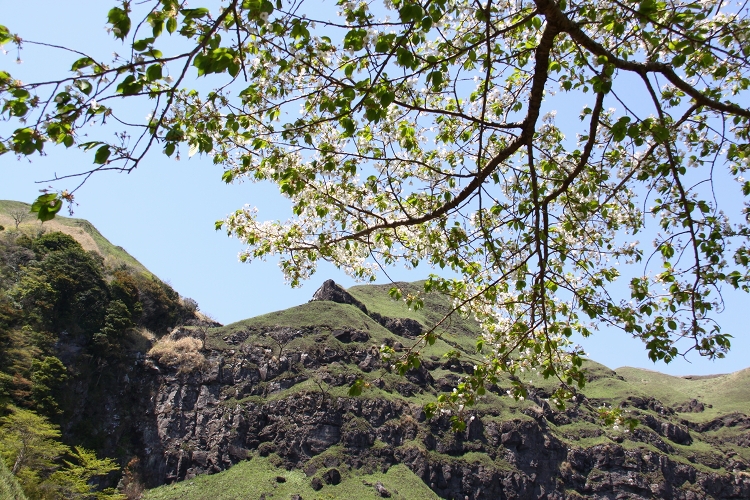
{"x":382,"y":490}
{"x":182,"y":425}
{"x":329,"y":290}
{"x":351,"y":335}
{"x":404,"y":327}
{"x":692,"y":406}
{"x":673,"y":432}
{"x":200,"y":423}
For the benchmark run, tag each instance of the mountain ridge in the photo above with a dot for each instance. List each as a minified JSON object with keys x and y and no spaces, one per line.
{"x":81,"y":229}
{"x":511,"y":449}
{"x":269,"y":396}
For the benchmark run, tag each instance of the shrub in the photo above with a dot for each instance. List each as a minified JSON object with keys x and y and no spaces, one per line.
{"x":183,"y":354}
{"x":191,"y":305}
{"x":54,"y":242}
{"x":160,"y":304}
{"x":125,"y":288}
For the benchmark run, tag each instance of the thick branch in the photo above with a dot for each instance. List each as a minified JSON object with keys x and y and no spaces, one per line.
{"x":556,"y":17}
{"x":529,"y":127}
{"x":586,"y":151}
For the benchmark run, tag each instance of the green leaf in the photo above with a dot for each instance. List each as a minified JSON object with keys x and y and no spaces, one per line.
{"x":46,"y":206}
{"x":430,"y":409}
{"x":436,"y":77}
{"x":195,"y":13}
{"x":410,"y":12}
{"x":157,"y":25}
{"x":660,"y":133}
{"x":457,"y":424}
{"x":218,"y":60}
{"x":355,"y":39}
{"x":620,"y":128}
{"x":27,"y":141}
{"x":386,"y":98}
{"x":356,"y":388}
{"x":120,"y":22}
{"x":84,"y":86}
{"x":81,"y":63}
{"x":102,"y":155}
{"x":130,"y":86}
{"x":5,"y":35}
{"x":153,"y":72}
{"x":142,"y":45}
{"x":405,"y":57}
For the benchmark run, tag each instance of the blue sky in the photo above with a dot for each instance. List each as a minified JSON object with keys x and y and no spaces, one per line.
{"x":164,"y":212}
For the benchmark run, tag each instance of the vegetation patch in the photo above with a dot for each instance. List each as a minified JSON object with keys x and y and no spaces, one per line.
{"x":10,"y":489}
{"x":256,"y":477}
{"x":184,"y":354}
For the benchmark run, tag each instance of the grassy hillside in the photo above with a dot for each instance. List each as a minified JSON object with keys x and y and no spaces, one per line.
{"x":455,"y":333}
{"x":721,"y":394}
{"x":82,"y":230}
{"x":259,"y":478}
{"x":325,"y":315}
{"x":455,"y":330}
{"x":724,"y":393}
{"x":329,"y":316}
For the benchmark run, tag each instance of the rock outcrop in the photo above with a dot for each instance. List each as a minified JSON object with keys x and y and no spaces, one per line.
{"x":330,"y":290}
{"x":247,"y":399}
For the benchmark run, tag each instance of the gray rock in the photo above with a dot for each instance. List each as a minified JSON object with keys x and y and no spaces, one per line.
{"x":511,"y":439}
{"x":329,"y":290}
{"x":316,"y":484}
{"x":676,"y":433}
{"x":348,"y":335}
{"x":692,"y":406}
{"x":404,"y":327}
{"x":322,"y":437}
{"x":381,"y":490}
{"x":332,"y":476}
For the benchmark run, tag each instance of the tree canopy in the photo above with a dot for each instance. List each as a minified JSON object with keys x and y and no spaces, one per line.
{"x":424,"y":132}
{"x":30,"y":445}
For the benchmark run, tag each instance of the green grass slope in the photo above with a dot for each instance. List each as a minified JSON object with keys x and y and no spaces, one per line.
{"x":725,"y":393}
{"x":258,"y":476}
{"x":80,"y":229}
{"x":455,"y":330}
{"x":454,"y":333}
{"x":327,"y":316}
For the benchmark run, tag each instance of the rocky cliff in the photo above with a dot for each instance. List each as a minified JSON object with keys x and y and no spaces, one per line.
{"x":276,"y":386}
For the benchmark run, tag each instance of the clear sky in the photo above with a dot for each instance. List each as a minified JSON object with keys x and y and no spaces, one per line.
{"x":164,"y":212}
